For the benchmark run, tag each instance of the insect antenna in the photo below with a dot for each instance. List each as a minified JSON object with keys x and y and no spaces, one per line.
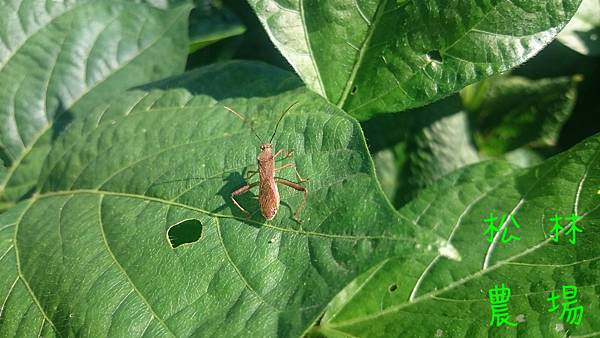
{"x":280,"y":118}
{"x":245,"y":121}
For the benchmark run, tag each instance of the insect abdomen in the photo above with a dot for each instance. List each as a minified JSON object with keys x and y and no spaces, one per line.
{"x":268,"y":198}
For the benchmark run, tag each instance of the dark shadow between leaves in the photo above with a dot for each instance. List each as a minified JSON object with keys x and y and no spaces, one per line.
{"x":227,"y":75}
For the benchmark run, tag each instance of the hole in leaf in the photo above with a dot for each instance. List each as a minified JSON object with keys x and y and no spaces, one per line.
{"x":434,"y":55}
{"x":353,"y":91}
{"x":185,"y":232}
{"x":393,"y":287}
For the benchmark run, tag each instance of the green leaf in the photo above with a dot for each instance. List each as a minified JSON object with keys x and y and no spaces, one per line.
{"x":524,"y":157}
{"x":387,"y":172}
{"x":20,"y":314}
{"x":93,"y":245}
{"x":514,"y":112}
{"x":582,"y":33}
{"x":439,"y":297}
{"x":440,"y":143}
{"x":210,"y":23}
{"x":59,"y":58}
{"x":370,"y":57}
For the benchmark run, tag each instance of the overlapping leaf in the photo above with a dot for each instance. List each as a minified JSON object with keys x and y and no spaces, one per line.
{"x":440,"y":142}
{"x":89,"y":253}
{"x":60,"y":58}
{"x":210,"y":23}
{"x":582,"y":34}
{"x":440,"y":297}
{"x":370,"y":57}
{"x":511,"y":112}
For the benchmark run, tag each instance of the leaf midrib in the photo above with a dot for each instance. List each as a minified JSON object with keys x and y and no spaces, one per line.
{"x":20,"y":272}
{"x":310,"y":52}
{"x":363,"y":48}
{"x":133,"y":286}
{"x":217,"y":215}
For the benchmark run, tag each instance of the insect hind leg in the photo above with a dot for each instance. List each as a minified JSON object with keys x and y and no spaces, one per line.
{"x":239,"y":191}
{"x":297,"y":187}
{"x":292,"y":165}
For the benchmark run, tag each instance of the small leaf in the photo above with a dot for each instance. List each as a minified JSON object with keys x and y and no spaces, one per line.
{"x":524,"y":157}
{"x":582,"y":33}
{"x":371,"y":57}
{"x":515,"y":112}
{"x":387,"y":172}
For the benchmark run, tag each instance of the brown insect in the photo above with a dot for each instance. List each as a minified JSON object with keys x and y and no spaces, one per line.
{"x":268,"y":195}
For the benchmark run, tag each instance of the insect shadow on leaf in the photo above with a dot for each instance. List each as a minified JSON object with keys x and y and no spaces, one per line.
{"x":235,"y":180}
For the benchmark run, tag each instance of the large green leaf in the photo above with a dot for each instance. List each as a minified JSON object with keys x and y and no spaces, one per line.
{"x":59,"y":58}
{"x":90,"y":252}
{"x":439,"y":297}
{"x":374,"y":56}
{"x":582,"y":34}
{"x":511,"y":112}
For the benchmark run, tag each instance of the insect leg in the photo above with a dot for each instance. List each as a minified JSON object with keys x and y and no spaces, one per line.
{"x":251,"y":172}
{"x":285,"y":153}
{"x":292,"y":165}
{"x":240,"y":191}
{"x":299,"y":188}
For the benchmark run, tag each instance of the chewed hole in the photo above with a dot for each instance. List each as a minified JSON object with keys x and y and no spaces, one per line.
{"x":353,"y":91}
{"x":393,"y":287}
{"x":185,"y":232}
{"x":434,"y":55}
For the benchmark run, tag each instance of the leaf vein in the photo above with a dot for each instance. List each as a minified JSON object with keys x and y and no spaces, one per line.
{"x":20,"y":272}
{"x":114,"y":258}
{"x":238,"y":272}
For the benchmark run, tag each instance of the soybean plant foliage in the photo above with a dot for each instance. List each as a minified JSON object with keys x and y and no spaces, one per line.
{"x":119,"y":157}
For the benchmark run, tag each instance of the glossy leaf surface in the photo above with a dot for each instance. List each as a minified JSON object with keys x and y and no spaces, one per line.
{"x":92,"y":251}
{"x":375,"y":56}
{"x":57,"y":63}
{"x":439,"y":297}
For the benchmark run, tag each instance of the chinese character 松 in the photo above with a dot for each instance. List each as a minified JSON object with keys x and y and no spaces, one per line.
{"x":492,"y":229}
